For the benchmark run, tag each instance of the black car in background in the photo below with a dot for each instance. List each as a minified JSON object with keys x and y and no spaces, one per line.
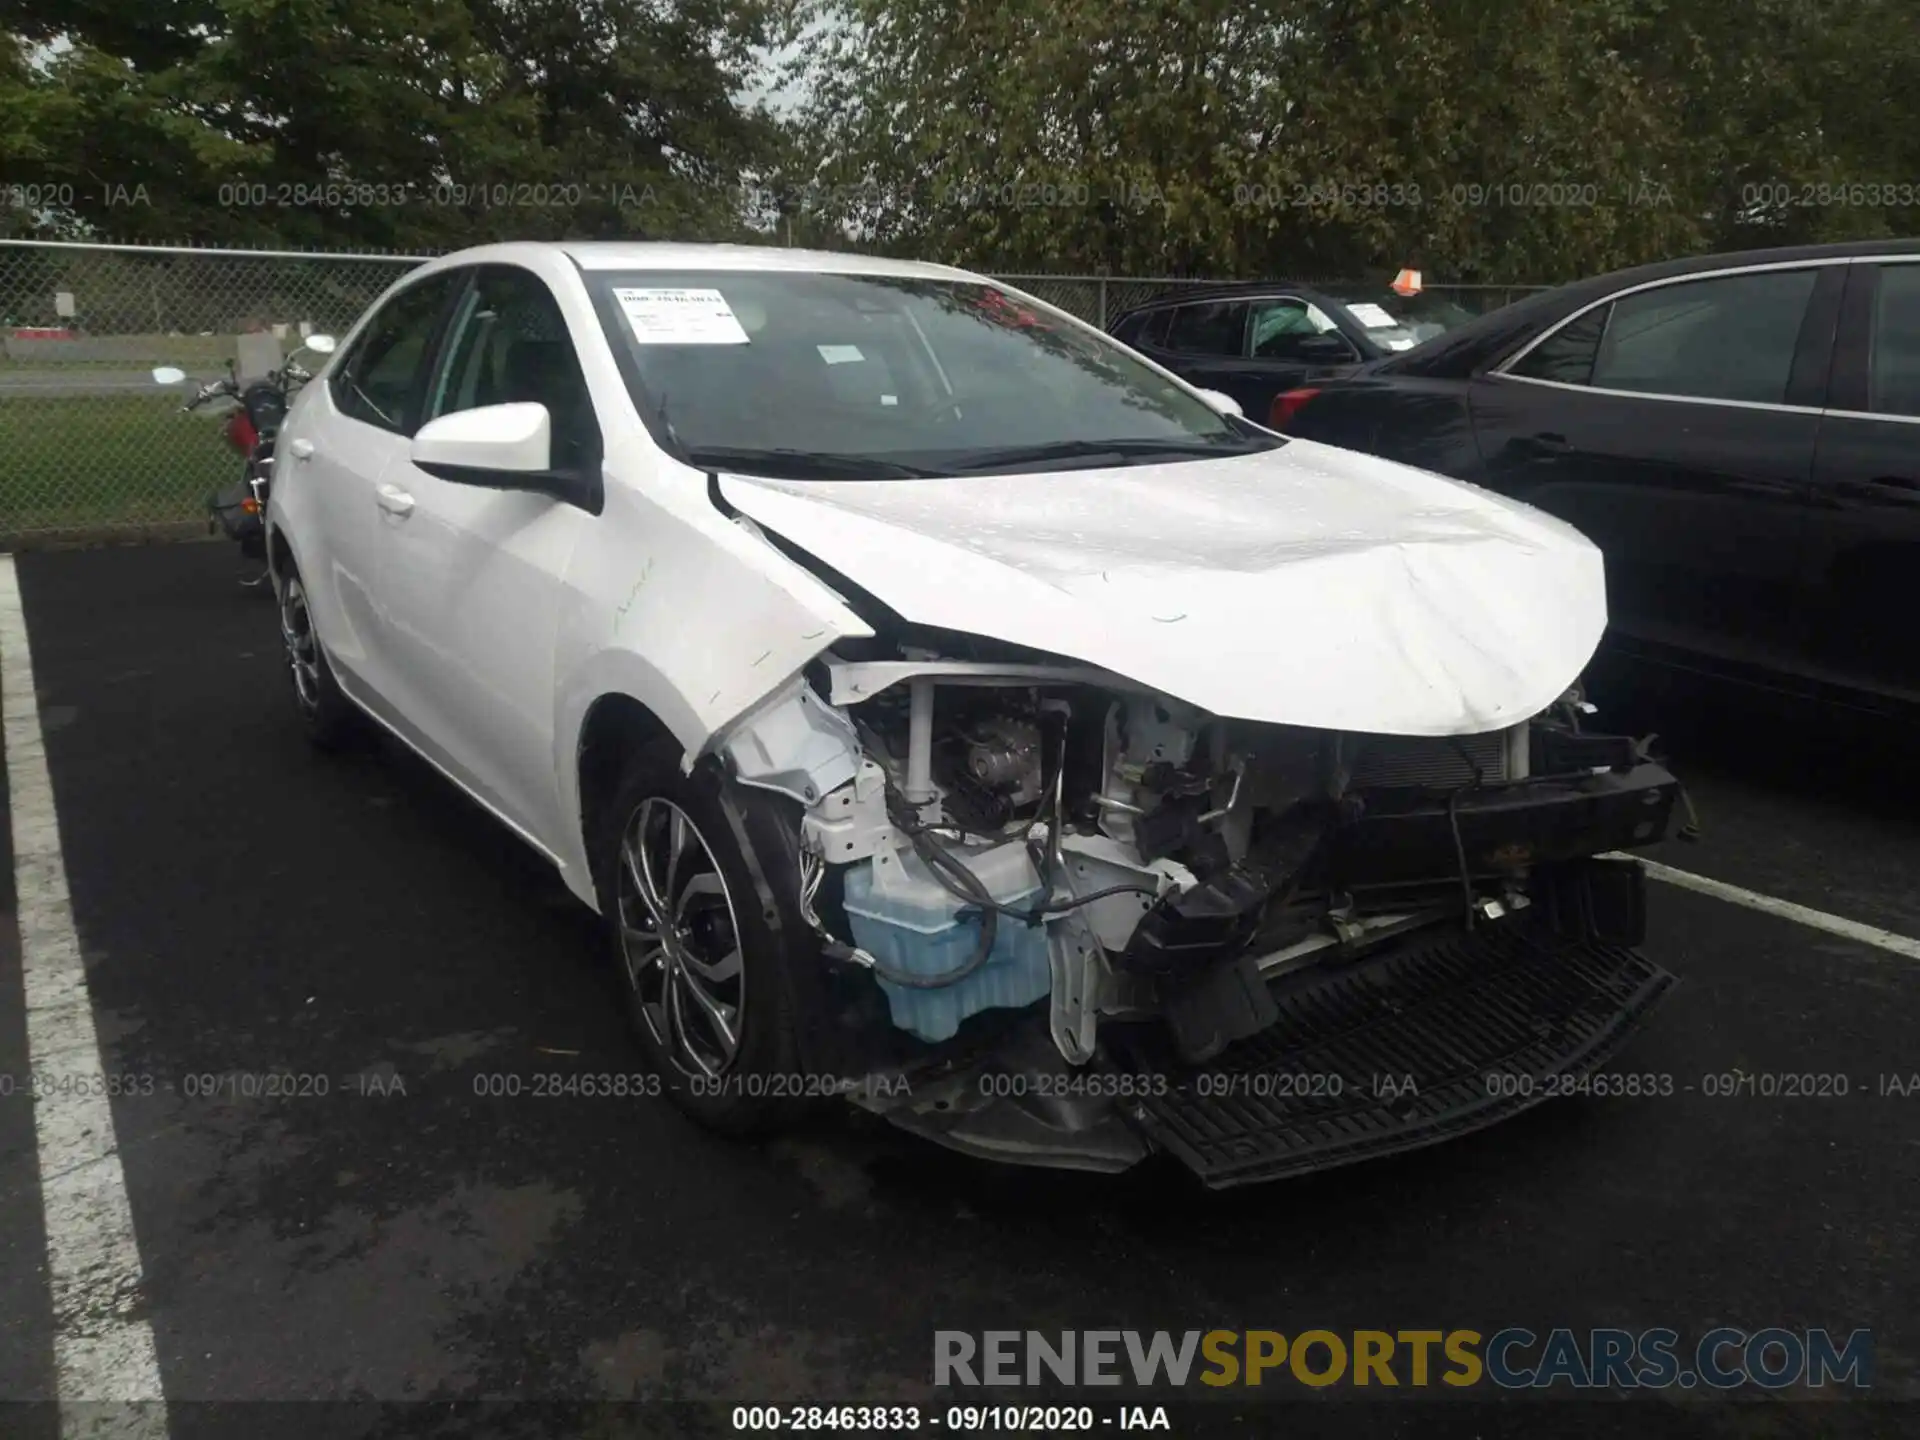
{"x":1740,"y":435}
{"x":1252,"y":341}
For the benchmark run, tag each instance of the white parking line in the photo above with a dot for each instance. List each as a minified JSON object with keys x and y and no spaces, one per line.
{"x":106,"y":1370}
{"x":1786,"y":909}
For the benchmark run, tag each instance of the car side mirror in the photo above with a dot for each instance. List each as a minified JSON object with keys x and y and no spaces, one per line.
{"x":500,"y":447}
{"x":1332,"y":349}
{"x":1224,"y":403}
{"x":168,"y":374}
{"x":320,"y":344}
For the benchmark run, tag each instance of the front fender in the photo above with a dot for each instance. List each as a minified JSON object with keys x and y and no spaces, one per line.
{"x":680,"y":608}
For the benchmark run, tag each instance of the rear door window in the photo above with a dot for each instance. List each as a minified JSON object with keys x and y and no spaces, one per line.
{"x":1210,"y":327}
{"x":1154,"y":330}
{"x":1896,"y":342}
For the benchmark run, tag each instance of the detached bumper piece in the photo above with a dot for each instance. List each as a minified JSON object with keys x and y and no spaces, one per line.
{"x":1416,"y":836}
{"x":1413,"y":1035}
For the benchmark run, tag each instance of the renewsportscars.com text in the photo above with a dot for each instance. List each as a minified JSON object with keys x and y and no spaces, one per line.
{"x":1514,"y":1358}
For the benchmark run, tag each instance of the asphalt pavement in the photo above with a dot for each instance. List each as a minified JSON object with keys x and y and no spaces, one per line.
{"x":393,"y":1232}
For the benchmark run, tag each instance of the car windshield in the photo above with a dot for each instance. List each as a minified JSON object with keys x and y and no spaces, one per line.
{"x":1400,"y":322}
{"x":878,"y":376}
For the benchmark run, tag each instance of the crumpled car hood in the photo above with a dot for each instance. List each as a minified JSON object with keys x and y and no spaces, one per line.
{"x":1305,"y":585}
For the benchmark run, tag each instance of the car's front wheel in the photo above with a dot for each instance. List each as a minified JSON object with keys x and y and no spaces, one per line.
{"x":690,"y":876}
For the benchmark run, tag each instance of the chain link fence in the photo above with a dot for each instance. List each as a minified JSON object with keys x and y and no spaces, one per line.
{"x":93,"y":449}
{"x":1102,"y":299}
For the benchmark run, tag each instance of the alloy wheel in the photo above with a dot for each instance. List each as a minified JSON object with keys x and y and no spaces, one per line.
{"x":679,"y":940}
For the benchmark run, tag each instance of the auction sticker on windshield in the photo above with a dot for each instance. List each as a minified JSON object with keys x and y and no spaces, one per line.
{"x":680,"y":317}
{"x":1372,"y":316}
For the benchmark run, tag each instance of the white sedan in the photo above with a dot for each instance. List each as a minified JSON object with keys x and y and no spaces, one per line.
{"x":945,"y":707}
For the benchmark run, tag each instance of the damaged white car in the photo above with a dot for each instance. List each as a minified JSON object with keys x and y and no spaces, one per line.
{"x":945,"y":707}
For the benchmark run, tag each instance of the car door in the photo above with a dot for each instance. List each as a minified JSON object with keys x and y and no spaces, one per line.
{"x":1291,"y":341}
{"x":349,"y":433}
{"x":478,"y":572}
{"x":1251,"y":349}
{"x":1674,"y":423}
{"x":1863,"y":571}
{"x":1204,"y":342}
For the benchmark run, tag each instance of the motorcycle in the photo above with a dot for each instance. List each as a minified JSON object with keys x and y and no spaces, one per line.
{"x":239,"y":509}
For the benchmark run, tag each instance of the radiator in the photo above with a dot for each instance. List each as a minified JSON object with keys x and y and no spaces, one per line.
{"x":1382,"y":761}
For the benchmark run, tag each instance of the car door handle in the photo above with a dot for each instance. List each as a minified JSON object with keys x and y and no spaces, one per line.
{"x":394,"y":500}
{"x":1548,"y":443}
{"x":300,"y":449}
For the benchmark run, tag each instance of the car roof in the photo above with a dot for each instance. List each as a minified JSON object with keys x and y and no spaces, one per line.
{"x":1457,"y":351}
{"x":1739,"y":259}
{"x":1200,"y":292}
{"x":669,"y":255}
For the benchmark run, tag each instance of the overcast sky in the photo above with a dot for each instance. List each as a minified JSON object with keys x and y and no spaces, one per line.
{"x":782,"y":98}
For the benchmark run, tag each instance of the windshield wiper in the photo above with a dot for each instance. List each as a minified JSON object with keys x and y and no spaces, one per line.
{"x":1012,"y":455}
{"x":804,"y":464}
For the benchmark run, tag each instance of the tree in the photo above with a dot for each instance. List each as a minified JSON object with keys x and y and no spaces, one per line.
{"x":1507,"y":140}
{"x":425,"y":124}
{"x":1796,"y":115}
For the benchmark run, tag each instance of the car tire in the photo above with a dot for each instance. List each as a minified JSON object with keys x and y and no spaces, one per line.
{"x":328,"y":717}
{"x":713,"y":1012}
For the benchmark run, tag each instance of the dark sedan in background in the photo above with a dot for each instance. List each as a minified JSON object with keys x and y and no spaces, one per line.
{"x":1740,"y":435}
{"x":1252,"y":341}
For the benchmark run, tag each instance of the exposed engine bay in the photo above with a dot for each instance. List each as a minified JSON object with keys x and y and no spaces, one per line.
{"x":991,"y":836}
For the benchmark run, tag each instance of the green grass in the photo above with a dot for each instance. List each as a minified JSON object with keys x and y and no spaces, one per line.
{"x":71,"y":466}
{"x":196,"y":354}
